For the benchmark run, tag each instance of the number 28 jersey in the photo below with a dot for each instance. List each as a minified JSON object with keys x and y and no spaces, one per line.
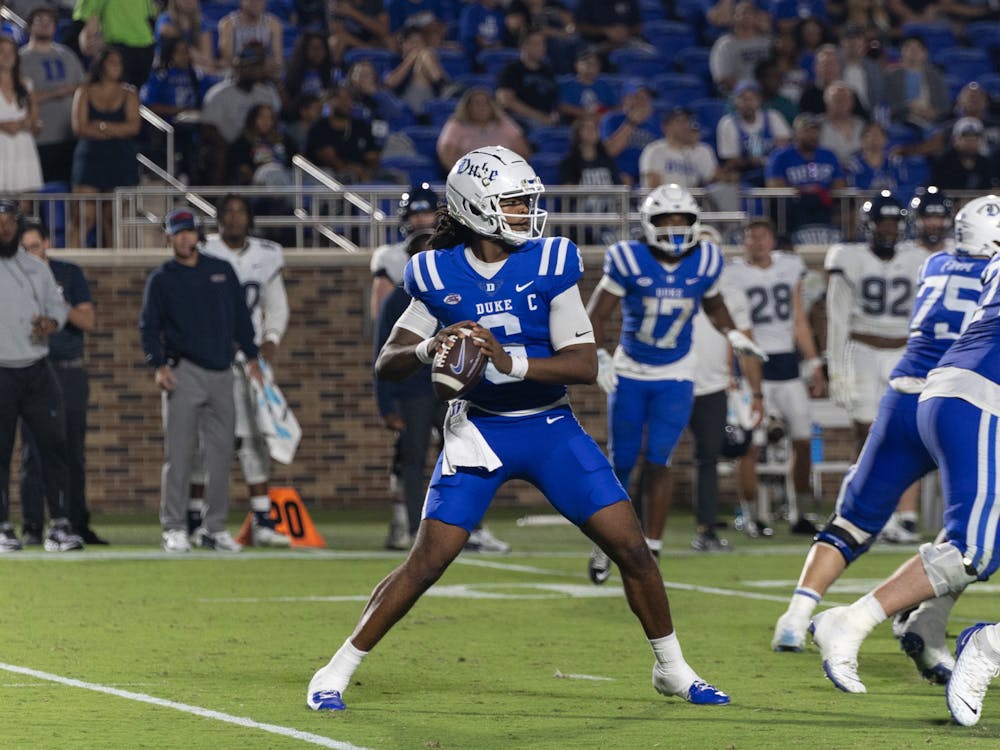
{"x":659,"y":301}
{"x":770,"y":293}
{"x":883,"y":289}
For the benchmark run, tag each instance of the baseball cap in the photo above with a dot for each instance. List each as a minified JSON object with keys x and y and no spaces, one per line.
{"x":806,"y":120}
{"x":180,"y":220}
{"x":747,"y":84}
{"x":967,"y":126}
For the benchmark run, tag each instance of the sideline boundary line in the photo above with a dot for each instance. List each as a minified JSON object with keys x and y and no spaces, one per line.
{"x":206,"y":713}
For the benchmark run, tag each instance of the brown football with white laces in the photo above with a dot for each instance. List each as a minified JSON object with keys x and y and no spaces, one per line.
{"x":458,"y":367}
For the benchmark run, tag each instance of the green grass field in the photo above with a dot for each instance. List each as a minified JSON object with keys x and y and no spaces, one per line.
{"x":188,"y":645}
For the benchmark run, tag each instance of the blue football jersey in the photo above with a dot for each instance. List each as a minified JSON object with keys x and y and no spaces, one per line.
{"x":660,"y":302}
{"x":949,"y":289}
{"x":514,"y":304}
{"x":978,"y":348}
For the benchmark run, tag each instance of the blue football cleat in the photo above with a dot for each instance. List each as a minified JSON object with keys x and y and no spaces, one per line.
{"x":326,"y":700}
{"x":702,"y":694}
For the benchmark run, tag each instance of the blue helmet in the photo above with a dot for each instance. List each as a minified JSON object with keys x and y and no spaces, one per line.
{"x":419,"y":199}
{"x":883,"y":207}
{"x":931,"y":203}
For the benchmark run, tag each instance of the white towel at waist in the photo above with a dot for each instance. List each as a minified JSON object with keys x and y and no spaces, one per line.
{"x":464,"y":444}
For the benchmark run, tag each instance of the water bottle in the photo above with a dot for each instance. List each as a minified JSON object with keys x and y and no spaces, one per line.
{"x":816,"y":443}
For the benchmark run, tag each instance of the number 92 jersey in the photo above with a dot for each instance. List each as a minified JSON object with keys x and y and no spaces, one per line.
{"x":514,"y":303}
{"x":659,"y":300}
{"x":950,"y":286}
{"x":883,"y":289}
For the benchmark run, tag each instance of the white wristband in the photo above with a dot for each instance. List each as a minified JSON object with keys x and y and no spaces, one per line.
{"x":425,"y":350}
{"x":813,"y":362}
{"x":518,"y":366}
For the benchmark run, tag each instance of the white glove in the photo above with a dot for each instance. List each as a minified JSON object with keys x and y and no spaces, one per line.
{"x":838,"y":389}
{"x":743,"y":345}
{"x":607,"y":378}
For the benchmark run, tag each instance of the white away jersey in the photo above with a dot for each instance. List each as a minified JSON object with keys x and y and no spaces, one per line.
{"x":256,"y":266}
{"x":769,"y":292}
{"x":883,"y":290}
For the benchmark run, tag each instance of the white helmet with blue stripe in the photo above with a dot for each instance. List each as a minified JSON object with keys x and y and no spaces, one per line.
{"x":977,"y":226}
{"x":484,"y":177}
{"x":670,"y":199}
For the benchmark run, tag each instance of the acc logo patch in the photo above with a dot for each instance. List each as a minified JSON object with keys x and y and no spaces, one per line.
{"x":453,"y":299}
{"x":644,"y":281}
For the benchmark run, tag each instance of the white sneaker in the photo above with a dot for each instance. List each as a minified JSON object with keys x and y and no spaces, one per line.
{"x":790,"y":633}
{"x":398,"y":537}
{"x":481,"y":540}
{"x":975,"y":666}
{"x":176,"y":540}
{"x":921,"y":634}
{"x":838,"y":646}
{"x":267,"y":536}
{"x":221,"y":541}
{"x":599,"y":566}
{"x":894,"y":532}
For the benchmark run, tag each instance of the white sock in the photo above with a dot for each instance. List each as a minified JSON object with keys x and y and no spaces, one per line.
{"x":670,"y":662}
{"x":867,"y":613}
{"x":341,"y":667}
{"x":907,"y":515}
{"x":400,"y":514}
{"x":197,"y":504}
{"x":260,"y":504}
{"x":655,"y":545}
{"x":803,"y":602}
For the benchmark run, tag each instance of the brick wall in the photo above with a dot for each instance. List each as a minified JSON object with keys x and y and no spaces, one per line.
{"x":324,"y":369}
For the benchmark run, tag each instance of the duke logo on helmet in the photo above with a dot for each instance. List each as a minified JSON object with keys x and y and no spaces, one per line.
{"x":977,"y":226}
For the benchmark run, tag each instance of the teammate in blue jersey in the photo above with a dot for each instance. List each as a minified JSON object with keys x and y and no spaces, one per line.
{"x":494,"y":278}
{"x":957,"y":417}
{"x":660,"y":285}
{"x":892,"y":458}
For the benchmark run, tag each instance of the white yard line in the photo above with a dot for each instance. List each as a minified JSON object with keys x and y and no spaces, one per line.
{"x":295,"y":734}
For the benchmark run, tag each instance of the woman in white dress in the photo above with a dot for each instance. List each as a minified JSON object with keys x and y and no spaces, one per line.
{"x":20,"y":169}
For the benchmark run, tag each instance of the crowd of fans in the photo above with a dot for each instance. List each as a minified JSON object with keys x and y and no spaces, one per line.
{"x":724,"y":95}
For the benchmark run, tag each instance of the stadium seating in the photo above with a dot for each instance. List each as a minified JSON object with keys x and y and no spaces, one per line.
{"x":439,"y":110}
{"x":967,"y":63}
{"x":551,"y":140}
{"x":694,"y":62}
{"x":984,"y":35}
{"x":546,"y":166}
{"x":934,"y":35}
{"x":492,"y":61}
{"x":382,"y":59}
{"x":679,"y":88}
{"x":708,"y":112}
{"x":416,"y":168}
{"x":651,"y":11}
{"x":455,"y":62}
{"x":424,"y":139}
{"x":991,"y":83}
{"x":669,"y":36}
{"x":638,"y":63}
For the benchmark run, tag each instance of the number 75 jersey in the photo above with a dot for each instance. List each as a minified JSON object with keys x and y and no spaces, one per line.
{"x":883,"y":289}
{"x":659,"y":300}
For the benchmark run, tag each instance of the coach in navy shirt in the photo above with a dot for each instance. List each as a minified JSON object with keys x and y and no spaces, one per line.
{"x":193,"y":310}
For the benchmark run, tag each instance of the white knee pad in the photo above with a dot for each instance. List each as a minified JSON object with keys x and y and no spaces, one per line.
{"x":255,"y":459}
{"x":945,"y":568}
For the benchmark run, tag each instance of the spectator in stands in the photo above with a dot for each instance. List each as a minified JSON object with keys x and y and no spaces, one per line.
{"x":814,"y":171}
{"x":106,"y":121}
{"x":251,"y":24}
{"x":123,"y":24}
{"x":870,"y":15}
{"x":175,"y":92}
{"x":481,"y":26}
{"x":872,"y":167}
{"x":720,"y":15}
{"x":789,"y":14}
{"x":431,"y":16}
{"x":556,"y":22}
{"x":478,"y":121}
{"x":810,"y":35}
{"x":586,"y":93}
{"x":419,"y":76}
{"x":860,"y":71}
{"x":609,"y":26}
{"x":527,"y":88}
{"x":309,"y":69}
{"x":627,"y":131}
{"x":841,"y":129}
{"x":746,"y":136}
{"x":793,"y":78}
{"x":54,"y":72}
{"x":972,"y":101}
{"x":183,"y":19}
{"x":827,"y":70}
{"x":735,"y":54}
{"x":226,"y":106}
{"x":963,"y":166}
{"x":587,"y":163}
{"x":768,"y":74}
{"x":912,"y":11}
{"x":917,"y":94}
{"x":308,"y":108}
{"x":343,"y":143}
{"x":262,"y":155}
{"x":20,"y":169}
{"x":679,"y":157}
{"x":358,"y":23}
{"x":311,"y":15}
{"x":372,"y":103}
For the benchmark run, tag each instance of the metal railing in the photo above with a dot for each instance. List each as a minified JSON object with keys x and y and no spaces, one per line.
{"x":161,"y":125}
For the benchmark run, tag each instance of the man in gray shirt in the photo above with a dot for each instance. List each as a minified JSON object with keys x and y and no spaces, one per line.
{"x":31,"y":309}
{"x":55,"y":72}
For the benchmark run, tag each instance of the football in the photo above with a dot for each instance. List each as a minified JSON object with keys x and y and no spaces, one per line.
{"x":457,"y":367}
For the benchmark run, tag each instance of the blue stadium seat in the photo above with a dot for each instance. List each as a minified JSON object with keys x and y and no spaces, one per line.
{"x":289,"y":35}
{"x":954,"y":84}
{"x":991,"y":83}
{"x":492,"y":61}
{"x":679,"y":88}
{"x":617,"y":82}
{"x":935,"y":35}
{"x":477,"y":80}
{"x":455,"y":62}
{"x":213,"y":12}
{"x":650,"y":11}
{"x":417,"y":168}
{"x":546,"y":166}
{"x":984,"y":35}
{"x":638,"y":63}
{"x":694,"y":62}
{"x":382,"y":59}
{"x":283,"y":9}
{"x":901,"y":135}
{"x":424,"y":139}
{"x":551,"y":140}
{"x":915,"y":171}
{"x":439,"y":110}
{"x":669,"y":36}
{"x":967,"y":63}
{"x":709,"y":112}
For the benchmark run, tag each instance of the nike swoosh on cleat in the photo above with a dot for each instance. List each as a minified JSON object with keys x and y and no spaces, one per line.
{"x":553,"y":420}
{"x":522,"y":287}
{"x":974,"y":710}
{"x":582,"y":333}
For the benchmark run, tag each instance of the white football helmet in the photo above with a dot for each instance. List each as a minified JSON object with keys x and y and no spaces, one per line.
{"x":977,"y":226}
{"x":670,"y":199}
{"x":480,"y":180}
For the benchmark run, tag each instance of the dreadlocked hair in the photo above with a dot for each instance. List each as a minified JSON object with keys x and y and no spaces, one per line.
{"x":449,"y":233}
